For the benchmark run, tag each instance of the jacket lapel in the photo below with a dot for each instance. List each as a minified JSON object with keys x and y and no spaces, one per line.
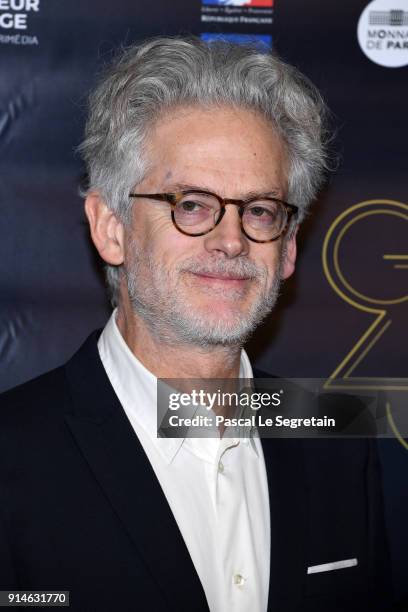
{"x":288,"y":514}
{"x":284,"y":461}
{"x":116,"y":457}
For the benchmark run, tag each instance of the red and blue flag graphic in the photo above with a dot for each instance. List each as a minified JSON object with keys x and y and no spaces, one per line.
{"x":265,"y":3}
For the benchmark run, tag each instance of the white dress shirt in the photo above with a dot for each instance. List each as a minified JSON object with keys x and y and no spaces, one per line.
{"x":216,"y":488}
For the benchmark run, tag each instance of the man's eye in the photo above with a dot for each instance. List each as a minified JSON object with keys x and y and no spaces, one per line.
{"x":261,"y":212}
{"x":190,"y":206}
{"x":258,"y":211}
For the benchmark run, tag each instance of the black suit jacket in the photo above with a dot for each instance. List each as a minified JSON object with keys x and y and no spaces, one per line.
{"x":81,"y":508}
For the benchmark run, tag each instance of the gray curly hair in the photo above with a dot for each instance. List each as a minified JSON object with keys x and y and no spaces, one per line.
{"x":149,"y":78}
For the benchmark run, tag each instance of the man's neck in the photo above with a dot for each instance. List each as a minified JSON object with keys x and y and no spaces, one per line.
{"x":176,"y":359}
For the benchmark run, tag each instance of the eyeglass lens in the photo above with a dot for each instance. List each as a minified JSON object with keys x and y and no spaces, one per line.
{"x":261,"y":219}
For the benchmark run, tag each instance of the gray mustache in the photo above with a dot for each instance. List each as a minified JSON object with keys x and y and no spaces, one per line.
{"x":239,"y":269}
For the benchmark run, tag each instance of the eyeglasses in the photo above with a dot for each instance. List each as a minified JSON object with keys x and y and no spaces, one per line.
{"x":196,"y":213}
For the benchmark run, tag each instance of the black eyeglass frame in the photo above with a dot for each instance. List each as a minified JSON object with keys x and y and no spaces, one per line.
{"x":174,"y":198}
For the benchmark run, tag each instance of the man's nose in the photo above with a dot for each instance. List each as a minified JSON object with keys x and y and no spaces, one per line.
{"x":227,"y":236}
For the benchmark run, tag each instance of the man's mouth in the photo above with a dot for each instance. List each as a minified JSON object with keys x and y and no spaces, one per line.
{"x":224,"y":278}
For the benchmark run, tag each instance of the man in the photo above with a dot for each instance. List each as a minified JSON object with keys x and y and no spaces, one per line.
{"x":202,"y":160}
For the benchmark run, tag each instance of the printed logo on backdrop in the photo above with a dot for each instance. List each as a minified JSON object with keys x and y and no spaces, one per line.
{"x":15,"y":22}
{"x":365,"y":261}
{"x":382,"y":32}
{"x":239,"y":13}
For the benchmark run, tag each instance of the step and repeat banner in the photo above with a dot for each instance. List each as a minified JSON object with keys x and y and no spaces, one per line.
{"x":344,"y":316}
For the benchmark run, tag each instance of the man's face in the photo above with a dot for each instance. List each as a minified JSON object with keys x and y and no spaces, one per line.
{"x":211,"y":289}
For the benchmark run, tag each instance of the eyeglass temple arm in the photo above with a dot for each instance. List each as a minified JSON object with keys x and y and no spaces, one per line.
{"x":152,"y":196}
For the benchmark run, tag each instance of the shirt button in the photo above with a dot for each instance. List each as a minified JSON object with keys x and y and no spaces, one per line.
{"x":238,"y":580}
{"x":220,"y":467}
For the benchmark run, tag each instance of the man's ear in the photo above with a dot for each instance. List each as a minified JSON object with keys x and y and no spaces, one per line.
{"x":289,"y":255}
{"x":106,"y":230}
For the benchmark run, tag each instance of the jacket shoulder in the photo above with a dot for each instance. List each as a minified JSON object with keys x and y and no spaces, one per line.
{"x":46,"y":397}
{"x":35,"y":399}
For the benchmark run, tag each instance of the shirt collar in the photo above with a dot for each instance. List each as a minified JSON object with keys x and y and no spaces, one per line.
{"x":136,"y":388}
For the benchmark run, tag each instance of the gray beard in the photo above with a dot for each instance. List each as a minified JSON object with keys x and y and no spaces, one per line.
{"x":154,"y":297}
